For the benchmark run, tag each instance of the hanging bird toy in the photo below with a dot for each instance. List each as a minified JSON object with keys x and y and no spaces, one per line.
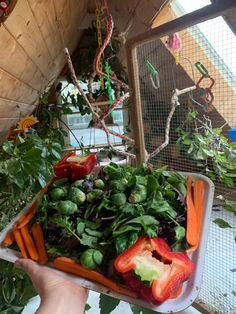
{"x":174,"y":43}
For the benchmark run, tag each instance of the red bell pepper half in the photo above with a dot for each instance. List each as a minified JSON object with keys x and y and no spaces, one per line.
{"x":153,"y":270}
{"x":75,"y":167}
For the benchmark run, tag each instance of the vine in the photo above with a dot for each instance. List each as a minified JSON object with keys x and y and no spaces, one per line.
{"x":208,"y":147}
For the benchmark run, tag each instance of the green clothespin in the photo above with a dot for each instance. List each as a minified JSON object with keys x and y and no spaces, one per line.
{"x":153,"y":75}
{"x":201,"y":68}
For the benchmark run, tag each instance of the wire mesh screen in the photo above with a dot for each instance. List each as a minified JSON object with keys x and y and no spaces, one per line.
{"x":213,"y":46}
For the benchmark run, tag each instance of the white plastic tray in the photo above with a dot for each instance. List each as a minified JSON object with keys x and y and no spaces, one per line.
{"x":190,"y":288}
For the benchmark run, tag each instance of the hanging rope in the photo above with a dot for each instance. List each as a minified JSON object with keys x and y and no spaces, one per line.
{"x":100,"y":123}
{"x":99,"y":34}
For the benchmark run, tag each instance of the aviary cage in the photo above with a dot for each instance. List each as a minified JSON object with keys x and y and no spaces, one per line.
{"x":165,"y":95}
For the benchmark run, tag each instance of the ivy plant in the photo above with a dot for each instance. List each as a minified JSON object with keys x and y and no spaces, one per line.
{"x":107,"y":304}
{"x":211,"y":151}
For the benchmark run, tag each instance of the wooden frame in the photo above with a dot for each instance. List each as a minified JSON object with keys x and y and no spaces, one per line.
{"x":211,"y":11}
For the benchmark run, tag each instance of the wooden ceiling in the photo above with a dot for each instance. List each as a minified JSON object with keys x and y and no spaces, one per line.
{"x":32,"y":48}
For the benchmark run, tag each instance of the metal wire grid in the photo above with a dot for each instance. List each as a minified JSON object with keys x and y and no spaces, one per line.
{"x":219,"y":281}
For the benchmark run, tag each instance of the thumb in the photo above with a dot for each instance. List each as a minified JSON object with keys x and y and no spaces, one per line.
{"x":29,"y":266}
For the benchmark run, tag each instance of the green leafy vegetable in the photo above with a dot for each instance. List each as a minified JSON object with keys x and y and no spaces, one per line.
{"x":222,"y":223}
{"x":91,"y":258}
{"x":77,"y":196}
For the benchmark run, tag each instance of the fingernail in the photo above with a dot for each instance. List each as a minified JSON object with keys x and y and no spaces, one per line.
{"x":18,"y":264}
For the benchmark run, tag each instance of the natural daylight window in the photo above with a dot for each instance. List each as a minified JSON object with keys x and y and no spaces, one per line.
{"x":80,"y":124}
{"x":223,"y":44}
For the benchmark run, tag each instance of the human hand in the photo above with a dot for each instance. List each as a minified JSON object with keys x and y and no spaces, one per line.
{"x":58,"y":295}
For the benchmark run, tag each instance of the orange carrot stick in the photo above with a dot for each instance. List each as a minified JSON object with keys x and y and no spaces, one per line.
{"x":20,"y":242}
{"x":39,"y":242}
{"x":70,"y":266}
{"x":198,"y":189}
{"x":9,"y":239}
{"x":27,"y":217}
{"x":29,"y":243}
{"x":192,"y":234}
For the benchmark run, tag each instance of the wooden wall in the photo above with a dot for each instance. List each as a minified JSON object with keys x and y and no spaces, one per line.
{"x":32,"y":52}
{"x":32,"y":49}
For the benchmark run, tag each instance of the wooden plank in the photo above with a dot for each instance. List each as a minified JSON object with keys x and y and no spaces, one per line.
{"x":14,"y":89}
{"x":146,"y":10}
{"x":15,"y":61}
{"x":45,"y":16}
{"x":24,"y":28}
{"x":136,"y":108}
{"x":71,"y":31}
{"x":70,"y":17}
{"x":5,"y":125}
{"x":187,"y":20}
{"x":123,"y":13}
{"x":14,"y":109}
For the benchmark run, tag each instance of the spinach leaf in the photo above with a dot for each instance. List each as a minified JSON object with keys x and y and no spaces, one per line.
{"x":222,"y":223}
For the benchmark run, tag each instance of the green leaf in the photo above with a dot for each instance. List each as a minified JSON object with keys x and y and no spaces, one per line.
{"x":107,"y":304}
{"x":80,"y":228}
{"x":33,"y":154}
{"x":143,"y":220}
{"x":222,"y":223}
{"x":139,"y":310}
{"x":8,"y":290}
{"x":152,"y":185}
{"x":58,"y":251}
{"x":56,"y":154}
{"x":18,"y":180}
{"x":128,"y":208}
{"x":124,"y":229}
{"x":234,"y":293}
{"x":88,"y":240}
{"x":228,"y":181}
{"x":94,"y":233}
{"x":217,"y":131}
{"x":187,"y":141}
{"x":12,"y":166}
{"x":41,"y":180}
{"x":87,"y":307}
{"x":7,"y":147}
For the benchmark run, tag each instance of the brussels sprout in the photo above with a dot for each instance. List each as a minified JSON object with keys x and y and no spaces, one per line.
{"x":77,"y":196}
{"x":118,"y":199}
{"x":58,"y":194}
{"x":67,"y":207}
{"x":138,"y":194}
{"x":94,"y":195}
{"x":118,"y":185}
{"x":91,"y":258}
{"x":99,"y":184}
{"x":78,"y":184}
